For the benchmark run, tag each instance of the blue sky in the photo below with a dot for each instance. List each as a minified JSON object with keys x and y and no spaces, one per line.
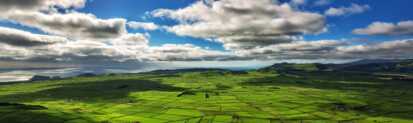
{"x":340,"y":27}
{"x":136,"y":10}
{"x":384,"y":11}
{"x":82,"y":31}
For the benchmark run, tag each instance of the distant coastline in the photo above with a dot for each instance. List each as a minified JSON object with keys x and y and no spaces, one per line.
{"x":13,"y":78}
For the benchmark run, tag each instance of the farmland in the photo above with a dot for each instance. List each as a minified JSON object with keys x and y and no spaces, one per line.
{"x":217,"y":96}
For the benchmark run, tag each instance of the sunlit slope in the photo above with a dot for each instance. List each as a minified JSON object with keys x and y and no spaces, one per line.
{"x":216,"y":96}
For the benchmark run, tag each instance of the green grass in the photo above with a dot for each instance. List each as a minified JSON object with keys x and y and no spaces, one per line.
{"x":206,"y":97}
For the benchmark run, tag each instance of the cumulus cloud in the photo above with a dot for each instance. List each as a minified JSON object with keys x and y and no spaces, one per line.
{"x":353,"y":9}
{"x":42,"y":14}
{"x":74,"y":51}
{"x":185,"y":52}
{"x":143,"y":25}
{"x":295,"y":50}
{"x":129,"y":47}
{"x":80,"y":37}
{"x":74,"y":24}
{"x":235,"y":43}
{"x":26,"y":39}
{"x":238,"y":21}
{"x":66,"y":3}
{"x":383,"y":28}
{"x":389,"y":49}
{"x":134,"y":47}
{"x":332,"y":49}
{"x":34,"y":5}
{"x":136,"y":39}
{"x":261,"y":29}
{"x":13,"y":52}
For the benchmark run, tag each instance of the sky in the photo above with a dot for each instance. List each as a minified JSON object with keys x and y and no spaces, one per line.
{"x":200,"y":33}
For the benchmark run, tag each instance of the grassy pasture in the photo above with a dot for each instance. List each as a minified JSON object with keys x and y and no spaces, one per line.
{"x":210,"y":97}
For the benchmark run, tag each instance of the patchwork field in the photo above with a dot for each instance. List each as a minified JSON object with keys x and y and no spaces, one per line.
{"x":210,"y":97}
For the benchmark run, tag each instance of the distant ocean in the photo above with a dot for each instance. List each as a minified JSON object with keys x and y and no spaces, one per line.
{"x":14,"y":78}
{"x":13,"y":75}
{"x":24,"y":75}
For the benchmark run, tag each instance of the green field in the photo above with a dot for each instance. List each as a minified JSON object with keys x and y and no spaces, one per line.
{"x":210,"y":97}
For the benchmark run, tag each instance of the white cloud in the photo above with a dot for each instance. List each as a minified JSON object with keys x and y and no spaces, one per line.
{"x":13,"y":52}
{"x":26,"y":39}
{"x":185,"y":52}
{"x":128,"y":47}
{"x":35,"y":5}
{"x":384,"y":50}
{"x":295,"y":50}
{"x":43,"y":15}
{"x":143,"y":25}
{"x":132,"y":39}
{"x":260,"y":29}
{"x":382,"y":28}
{"x":332,"y":49}
{"x":135,"y":47}
{"x":83,"y":38}
{"x":228,"y":21}
{"x":75,"y":25}
{"x":67,"y":3}
{"x":235,"y":43}
{"x":353,"y":9}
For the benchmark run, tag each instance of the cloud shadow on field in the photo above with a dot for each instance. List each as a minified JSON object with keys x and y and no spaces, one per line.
{"x":22,"y":113}
{"x":97,"y":91}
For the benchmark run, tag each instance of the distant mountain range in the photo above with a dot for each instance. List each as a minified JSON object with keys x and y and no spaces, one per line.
{"x":379,"y":65}
{"x":371,"y":65}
